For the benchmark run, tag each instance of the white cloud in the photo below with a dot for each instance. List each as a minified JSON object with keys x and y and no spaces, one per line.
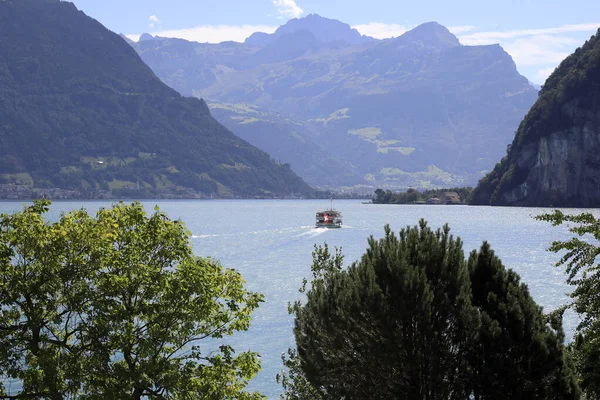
{"x":533,"y":46}
{"x":380,"y":30}
{"x":498,"y":36}
{"x":535,"y":51}
{"x":543,"y":74}
{"x":287,"y":9}
{"x":540,"y":50}
{"x":211,"y":33}
{"x":133,"y":36}
{"x":154,"y":22}
{"x":461,"y":28}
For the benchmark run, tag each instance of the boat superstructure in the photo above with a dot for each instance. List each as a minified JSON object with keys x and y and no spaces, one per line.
{"x":329,"y":218}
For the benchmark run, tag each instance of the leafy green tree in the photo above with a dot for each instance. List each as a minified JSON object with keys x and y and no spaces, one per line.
{"x":579,"y":257}
{"x":116,"y":306}
{"x":518,"y":352}
{"x":43,"y":299}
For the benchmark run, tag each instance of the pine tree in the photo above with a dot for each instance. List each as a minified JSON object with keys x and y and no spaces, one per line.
{"x":412,"y":319}
{"x":518,"y":352}
{"x":394,"y":324}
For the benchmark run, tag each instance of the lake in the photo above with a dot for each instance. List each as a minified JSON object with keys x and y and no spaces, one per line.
{"x":270,"y":242}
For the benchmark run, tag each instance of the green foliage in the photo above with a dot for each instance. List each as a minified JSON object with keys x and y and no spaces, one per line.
{"x":62,"y":104}
{"x":393,"y":325}
{"x":413,"y":196}
{"x":413,"y":319}
{"x":519,"y":351}
{"x":117,"y":306}
{"x":294,"y":382}
{"x":487,"y":186}
{"x":579,"y":258}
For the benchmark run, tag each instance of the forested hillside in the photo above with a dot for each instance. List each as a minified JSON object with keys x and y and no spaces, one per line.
{"x":80,"y":110}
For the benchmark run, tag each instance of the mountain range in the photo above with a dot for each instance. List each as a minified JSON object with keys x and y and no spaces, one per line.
{"x":418,"y":110}
{"x":79,"y":110}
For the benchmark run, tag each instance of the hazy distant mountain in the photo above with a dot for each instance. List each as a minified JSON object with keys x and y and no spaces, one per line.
{"x":553,"y":160}
{"x":429,"y":35}
{"x":146,"y":36}
{"x":288,"y":141}
{"x":417,"y":110}
{"x":80,"y":110}
{"x":324,"y":30}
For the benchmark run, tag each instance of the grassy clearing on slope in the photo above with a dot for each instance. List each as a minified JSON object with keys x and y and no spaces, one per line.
{"x":336,"y":115}
{"x":21,"y":179}
{"x":236,"y":166}
{"x":405,"y":151}
{"x":118,"y":184}
{"x":245,"y":120}
{"x":241,"y":108}
{"x":368,"y":133}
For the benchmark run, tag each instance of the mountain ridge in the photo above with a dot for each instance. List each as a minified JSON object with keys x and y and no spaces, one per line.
{"x":324,"y":29}
{"x":417,"y":110}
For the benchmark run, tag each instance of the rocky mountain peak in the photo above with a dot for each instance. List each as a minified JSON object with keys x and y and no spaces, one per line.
{"x":431,"y":34}
{"x":324,"y":29}
{"x":146,"y":36}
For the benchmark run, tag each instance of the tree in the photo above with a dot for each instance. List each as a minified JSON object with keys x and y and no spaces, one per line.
{"x":414,"y":319}
{"x":379,"y":196}
{"x":43,"y":297}
{"x":294,"y":382}
{"x":394,"y":324}
{"x":519,"y":351}
{"x":115,"y":307}
{"x":583,"y":272}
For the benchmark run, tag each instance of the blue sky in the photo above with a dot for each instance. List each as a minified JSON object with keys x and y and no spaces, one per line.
{"x":537,"y":34}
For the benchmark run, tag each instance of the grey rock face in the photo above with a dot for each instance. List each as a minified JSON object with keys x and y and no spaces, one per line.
{"x":563,"y":166}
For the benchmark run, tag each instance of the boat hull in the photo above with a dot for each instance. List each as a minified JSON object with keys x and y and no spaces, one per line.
{"x":331,"y":226}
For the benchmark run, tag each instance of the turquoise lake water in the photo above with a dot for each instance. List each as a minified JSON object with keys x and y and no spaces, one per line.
{"x":270,"y":243}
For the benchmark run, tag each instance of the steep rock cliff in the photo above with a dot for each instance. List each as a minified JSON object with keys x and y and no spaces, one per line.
{"x":554,"y":159}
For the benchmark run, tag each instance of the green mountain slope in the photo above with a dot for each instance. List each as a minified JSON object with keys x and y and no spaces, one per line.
{"x":553,"y":160}
{"x":418,"y":110}
{"x":80,"y":110}
{"x":318,"y":165}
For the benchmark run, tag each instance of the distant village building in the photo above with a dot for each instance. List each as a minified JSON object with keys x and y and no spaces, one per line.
{"x":451,"y":198}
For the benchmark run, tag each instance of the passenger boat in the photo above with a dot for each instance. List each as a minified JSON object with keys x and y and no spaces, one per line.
{"x":329,"y":218}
